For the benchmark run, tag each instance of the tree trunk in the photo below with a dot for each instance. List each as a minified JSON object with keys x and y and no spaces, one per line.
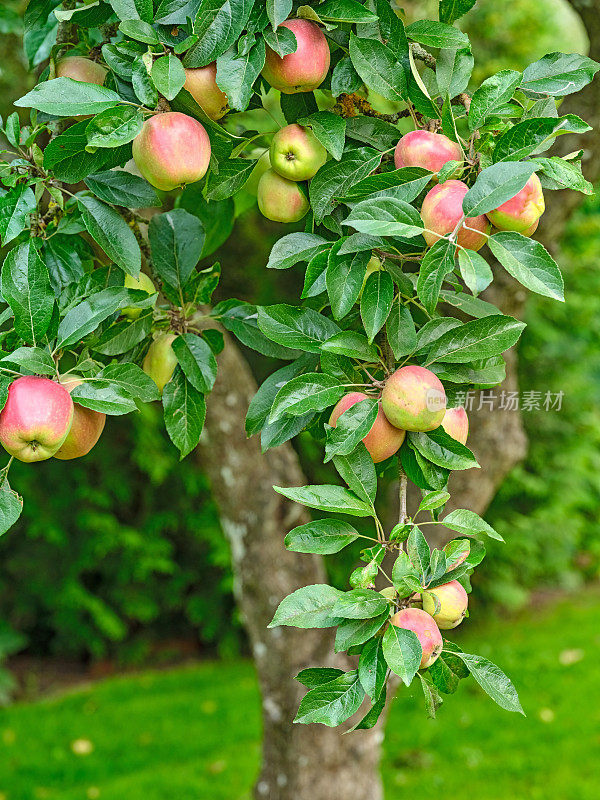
{"x":299,"y":762}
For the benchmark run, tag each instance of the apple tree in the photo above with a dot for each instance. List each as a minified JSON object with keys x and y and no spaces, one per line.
{"x":147,"y":120}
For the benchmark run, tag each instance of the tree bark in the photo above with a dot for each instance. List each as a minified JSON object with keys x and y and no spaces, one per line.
{"x":299,"y":762}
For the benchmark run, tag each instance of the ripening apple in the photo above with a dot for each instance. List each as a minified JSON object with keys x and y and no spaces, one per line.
{"x":201,"y":83}
{"x":36,"y":419}
{"x":456,"y":424}
{"x":414,"y":399}
{"x":81,"y":69}
{"x":426,"y":629}
{"x":373,"y":265}
{"x":442,"y":211}
{"x":306,"y":68}
{"x":296,"y":153}
{"x":263,"y":163}
{"x":427,"y":150}
{"x":383,"y":440}
{"x":522,"y":212}
{"x":171,"y":150}
{"x":86,"y":428}
{"x":141,"y":283}
{"x":160,"y":360}
{"x":279,"y":199}
{"x":453,"y":601}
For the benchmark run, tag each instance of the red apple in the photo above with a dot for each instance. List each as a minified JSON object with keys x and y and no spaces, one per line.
{"x":86,"y":428}
{"x":426,"y":629}
{"x":453,"y":601}
{"x":425,"y":149}
{"x":36,"y":419}
{"x":201,"y":83}
{"x":304,"y":70}
{"x":414,"y":399}
{"x":442,"y":210}
{"x":171,"y":150}
{"x":279,"y":199}
{"x":456,"y":424}
{"x":522,"y":212}
{"x":383,"y":440}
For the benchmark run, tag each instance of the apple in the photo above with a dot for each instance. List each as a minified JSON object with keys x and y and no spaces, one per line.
{"x":427,"y":150}
{"x":383,"y":440}
{"x":296,"y":153}
{"x":171,"y":150}
{"x":414,"y":399}
{"x":86,"y":428}
{"x":141,"y":283}
{"x":279,"y":199}
{"x":36,"y":419}
{"x":522,"y":212}
{"x":81,"y":69}
{"x":306,"y":68}
{"x":456,"y":424}
{"x":453,"y":601}
{"x":442,"y":211}
{"x":160,"y":360}
{"x":263,"y":163}
{"x":201,"y":83}
{"x":426,"y":629}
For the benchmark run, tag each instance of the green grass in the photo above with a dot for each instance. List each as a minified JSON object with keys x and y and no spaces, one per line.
{"x":194,"y":732}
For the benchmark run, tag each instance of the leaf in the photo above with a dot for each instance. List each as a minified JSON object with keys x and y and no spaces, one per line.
{"x":16,"y":207}
{"x":351,"y":428}
{"x":402,"y":652}
{"x":233,"y":174}
{"x":559,"y":74}
{"x":335,"y":499}
{"x":218,"y":26}
{"x":405,"y":575}
{"x":112,"y":233}
{"x":453,"y":72}
{"x":353,"y":632}
{"x":260,"y":405}
{"x":332,"y":703}
{"x":433,"y":699}
{"x":495,"y":185}
{"x":344,"y":279}
{"x":358,"y":471}
{"x":376,"y":302}
{"x":470,"y":523}
{"x":132,"y":379}
{"x":475,"y":270}
{"x":241,"y":319}
{"x":312,"y":391}
{"x":197,"y":361}
{"x":433,"y":500}
{"x":184,"y":412}
{"x":351,"y":344}
{"x":345,"y":11}
{"x":418,"y":551}
{"x":176,"y":240}
{"x":438,"y":262}
{"x":66,"y":157}
{"x":64,"y":97}
{"x":308,"y":607}
{"x":139,"y":30}
{"x":11,"y":506}
{"x":299,"y":328}
{"x":493,"y":681}
{"x":317,"y":676}
{"x":360,"y":604}
{"x":133,"y":9}
{"x":173,"y":12}
{"x":560,"y":173}
{"x":436,"y":34}
{"x":114,"y":127}
{"x":27,"y":290}
{"x":451,"y":10}
{"x":447,"y":671}
{"x":104,"y":398}
{"x":294,"y":248}
{"x":477,"y":339}
{"x":527,"y":136}
{"x":379,"y":68}
{"x":82,"y":319}
{"x":492,"y":93}
{"x":124,"y":335}
{"x":335,"y":178}
{"x":385,"y":216}
{"x":122,"y":189}
{"x":32,"y":359}
{"x":144,"y":88}
{"x":528,"y":262}
{"x":372,"y":668}
{"x":237,"y":73}
{"x":274,"y":434}
{"x":401,"y":332}
{"x":329,"y":129}
{"x":407,"y":184}
{"x":442,"y":449}
{"x":322,"y":536}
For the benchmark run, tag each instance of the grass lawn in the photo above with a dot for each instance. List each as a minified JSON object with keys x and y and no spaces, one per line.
{"x":194,"y":732}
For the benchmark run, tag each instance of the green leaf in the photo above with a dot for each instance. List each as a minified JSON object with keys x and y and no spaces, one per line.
{"x":11,"y":506}
{"x":218,"y":25}
{"x":168,"y":75}
{"x":453,"y":72}
{"x":184,"y":412}
{"x":237,"y":73}
{"x":527,"y":136}
{"x":475,"y":270}
{"x":376,"y":302}
{"x":385,"y":216}
{"x":322,"y":536}
{"x":560,"y":173}
{"x":493,"y":681}
{"x":143,"y":86}
{"x":27,"y":290}
{"x":405,"y":575}
{"x":313,"y":391}
{"x":451,"y":10}
{"x":241,"y":319}
{"x":139,"y":30}
{"x":66,"y":156}
{"x":344,"y":279}
{"x":351,"y":344}
{"x":407,"y":184}
{"x":282,"y":41}
{"x":124,"y":335}
{"x":495,"y":185}
{"x":32,"y":359}
{"x":360,"y":604}
{"x":477,"y":339}
{"x":559,"y":74}
{"x":16,"y":207}
{"x":233,"y":174}
{"x":447,"y":671}
{"x":436,"y":34}
{"x":332,"y":703}
{"x":379,"y":67}
{"x":131,"y":379}
{"x":134,"y":9}
{"x":438,"y":262}
{"x":335,"y":499}
{"x":352,"y":632}
{"x":433,"y":500}
{"x":299,"y":328}
{"x":174,"y":12}
{"x":440,"y":448}
{"x":103,"y":397}
{"x":122,"y":189}
{"x":64,"y":97}
{"x":329,"y":129}
{"x":469,"y":523}
{"x":433,"y":698}
{"x":260,"y":405}
{"x":418,"y":551}
{"x":176,"y":240}
{"x":112,"y":233}
{"x":295,"y":247}
{"x":372,"y":668}
{"x":351,"y":428}
{"x":114,"y":127}
{"x":528,"y":262}
{"x":308,"y":607}
{"x":335,"y":178}
{"x":87,"y":315}
{"x":493,"y":92}
{"x":358,"y":471}
{"x":345,"y":11}
{"x":401,"y":332}
{"x":197,"y":361}
{"x":317,"y":676}
{"x":402,"y":652}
